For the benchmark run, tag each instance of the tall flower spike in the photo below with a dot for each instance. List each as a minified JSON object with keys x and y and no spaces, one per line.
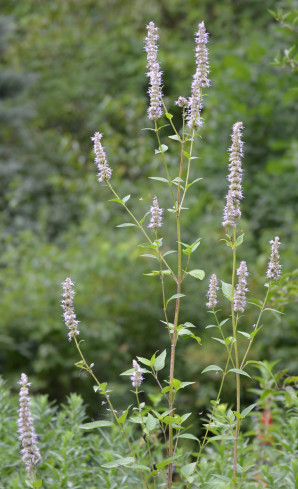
{"x":274,"y":267}
{"x":232,"y":212}
{"x":137,"y":377}
{"x":104,"y":170}
{"x":240,"y":297}
{"x":67,"y":306}
{"x":200,"y":78}
{"x":30,"y":452}
{"x":156,"y":215}
{"x":154,"y":73}
{"x":211,"y":294}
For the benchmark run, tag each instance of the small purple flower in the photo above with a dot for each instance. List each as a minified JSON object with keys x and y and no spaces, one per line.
{"x":200,"y":78}
{"x":154,"y":73}
{"x":274,"y":267}
{"x":156,"y":215}
{"x":137,"y":377}
{"x":30,"y":452}
{"x":67,"y":306}
{"x":239,"y":296}
{"x":104,"y":170}
{"x":211,"y":294}
{"x":182,"y":102}
{"x":232,"y":212}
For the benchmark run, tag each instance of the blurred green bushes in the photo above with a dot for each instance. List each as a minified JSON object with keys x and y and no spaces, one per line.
{"x":81,"y":69}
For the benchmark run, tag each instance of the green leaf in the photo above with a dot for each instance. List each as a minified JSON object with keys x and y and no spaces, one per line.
{"x":223,"y":322}
{"x":140,"y":467}
{"x":163,"y":148}
{"x":126,"y":225}
{"x":219,"y":340}
{"x":128,"y":372}
{"x":188,"y":469}
{"x":273,"y":310}
{"x":118,"y":462}
{"x":247,"y":410}
{"x":239,"y":240}
{"x":196,"y":180}
{"x":261,"y":364}
{"x":187,"y":155}
{"x":148,"y":255}
{"x":227,"y":290}
{"x":116,"y":200}
{"x":175,"y":137}
{"x":211,"y":326}
{"x":220,"y":437}
{"x":238,"y":415}
{"x":145,"y":361}
{"x":168,"y":115}
{"x":96,"y":424}
{"x":185,"y":384}
{"x":189,"y":325}
{"x":123,"y":416}
{"x":125,"y":199}
{"x":239,"y":371}
{"x":189,"y":436}
{"x":169,"y":252}
{"x":212,"y":367}
{"x":160,"y":361}
{"x":37,"y":484}
{"x":244,"y":334}
{"x":160,"y":179}
{"x":175,"y":296}
{"x":199,"y":274}
{"x":151,"y":422}
{"x":165,"y":462}
{"x":177,"y":180}
{"x":184,"y":332}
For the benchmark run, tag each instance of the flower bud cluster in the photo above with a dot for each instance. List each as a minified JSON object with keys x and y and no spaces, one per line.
{"x":274,"y":267}
{"x":30,"y":452}
{"x":154,"y":73}
{"x":232,"y":212}
{"x":137,"y":377}
{"x":67,"y":306}
{"x":156,"y":215}
{"x":200,"y":78}
{"x":104,"y":170}
{"x":241,"y":289}
{"x":211,"y":294}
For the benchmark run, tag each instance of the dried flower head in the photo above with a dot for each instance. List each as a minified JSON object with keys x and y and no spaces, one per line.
{"x":67,"y":306}
{"x":232,"y":212}
{"x":104,"y":170}
{"x":30,"y":452}
{"x":211,"y":294}
{"x":200,"y":78}
{"x":274,"y":267}
{"x":156,"y":215}
{"x":137,"y":377}
{"x":154,"y":73}
{"x":240,"y":297}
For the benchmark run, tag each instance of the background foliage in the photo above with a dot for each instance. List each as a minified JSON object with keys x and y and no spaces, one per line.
{"x":69,"y":69}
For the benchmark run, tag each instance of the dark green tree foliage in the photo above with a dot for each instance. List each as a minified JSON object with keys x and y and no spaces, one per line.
{"x":83,"y":66}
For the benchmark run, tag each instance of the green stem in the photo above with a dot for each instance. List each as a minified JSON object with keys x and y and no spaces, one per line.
{"x":141,"y":228}
{"x":143,"y":427}
{"x":165,"y":164}
{"x":223,"y":337}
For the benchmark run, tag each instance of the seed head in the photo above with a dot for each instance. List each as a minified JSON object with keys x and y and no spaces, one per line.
{"x":274,"y":267}
{"x":154,"y":73}
{"x":30,"y":452}
{"x":104,"y":170}
{"x":239,"y":297}
{"x":67,"y":306}
{"x":200,"y":78}
{"x":211,"y":294}
{"x":137,"y":377}
{"x":156,"y":215}
{"x":232,"y":212}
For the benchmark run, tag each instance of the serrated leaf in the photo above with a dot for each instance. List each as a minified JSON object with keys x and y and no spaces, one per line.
{"x":239,"y":371}
{"x":119,"y":461}
{"x":160,"y":361}
{"x":96,"y":424}
{"x":160,"y":179}
{"x":212,"y":367}
{"x":126,"y":225}
{"x":199,"y":274}
{"x":227,"y":290}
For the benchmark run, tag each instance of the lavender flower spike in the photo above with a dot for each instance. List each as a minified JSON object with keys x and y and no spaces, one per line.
{"x":156,"y":215}
{"x":232,"y":212}
{"x":200,"y":78}
{"x":239,"y":297}
{"x":67,"y":306}
{"x":30,"y":452}
{"x":154,"y":73}
{"x":211,"y":294}
{"x":104,"y":170}
{"x":137,"y":377}
{"x":274,"y":267}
